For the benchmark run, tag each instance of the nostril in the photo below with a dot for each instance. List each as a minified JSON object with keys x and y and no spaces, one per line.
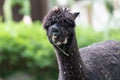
{"x":55,"y":32}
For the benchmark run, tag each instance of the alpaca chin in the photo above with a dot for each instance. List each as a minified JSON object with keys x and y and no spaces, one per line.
{"x":59,"y":42}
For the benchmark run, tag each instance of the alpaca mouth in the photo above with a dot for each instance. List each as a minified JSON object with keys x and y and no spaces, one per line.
{"x":59,"y":40}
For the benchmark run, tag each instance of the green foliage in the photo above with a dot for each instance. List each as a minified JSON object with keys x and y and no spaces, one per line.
{"x":109,"y":5}
{"x":29,"y":42}
{"x":87,"y":36}
{"x":114,"y":34}
{"x":27,"y":48}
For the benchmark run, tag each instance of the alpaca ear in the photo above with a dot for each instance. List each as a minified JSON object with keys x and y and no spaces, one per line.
{"x":76,"y":14}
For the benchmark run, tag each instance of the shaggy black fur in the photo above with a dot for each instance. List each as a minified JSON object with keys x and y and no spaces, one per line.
{"x":103,"y":60}
{"x":100,"y":61}
{"x":61,"y":16}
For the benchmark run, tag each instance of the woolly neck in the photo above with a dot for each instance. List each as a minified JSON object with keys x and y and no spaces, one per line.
{"x":70,"y":67}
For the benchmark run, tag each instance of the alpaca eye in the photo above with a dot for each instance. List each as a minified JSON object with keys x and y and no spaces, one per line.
{"x":46,"y":27}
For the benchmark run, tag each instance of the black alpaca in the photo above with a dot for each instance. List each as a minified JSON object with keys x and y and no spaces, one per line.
{"x":99,"y":61}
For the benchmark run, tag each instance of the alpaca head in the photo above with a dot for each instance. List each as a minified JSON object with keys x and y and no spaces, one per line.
{"x":59,"y":25}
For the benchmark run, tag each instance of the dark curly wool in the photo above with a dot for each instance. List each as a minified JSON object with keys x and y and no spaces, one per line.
{"x":100,"y":61}
{"x":103,"y":60}
{"x":59,"y":15}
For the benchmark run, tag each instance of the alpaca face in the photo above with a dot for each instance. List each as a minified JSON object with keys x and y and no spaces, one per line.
{"x":59,"y":25}
{"x":58,"y":34}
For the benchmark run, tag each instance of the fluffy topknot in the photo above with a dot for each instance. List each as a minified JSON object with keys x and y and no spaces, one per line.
{"x":61,"y":16}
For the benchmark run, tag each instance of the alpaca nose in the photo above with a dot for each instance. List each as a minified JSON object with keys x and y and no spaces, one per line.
{"x":55,"y":30}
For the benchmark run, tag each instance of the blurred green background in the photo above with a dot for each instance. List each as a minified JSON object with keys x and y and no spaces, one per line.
{"x":25,"y":52}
